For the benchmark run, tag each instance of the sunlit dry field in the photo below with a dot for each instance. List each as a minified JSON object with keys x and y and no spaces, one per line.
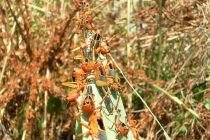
{"x":161,"y":46}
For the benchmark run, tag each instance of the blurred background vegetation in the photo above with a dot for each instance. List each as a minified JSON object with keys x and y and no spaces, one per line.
{"x":162,"y":42}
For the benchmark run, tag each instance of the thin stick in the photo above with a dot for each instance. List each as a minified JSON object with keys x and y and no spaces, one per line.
{"x":180,"y":70}
{"x":160,"y":39}
{"x":136,"y":93}
{"x":47,"y":76}
{"x":128,"y":47}
{"x":138,"y":111}
{"x":39,"y":9}
{"x":128,"y":27}
{"x":24,"y":135}
{"x":2,"y":90}
{"x":6,"y":57}
{"x":118,"y":100}
{"x":45,"y":108}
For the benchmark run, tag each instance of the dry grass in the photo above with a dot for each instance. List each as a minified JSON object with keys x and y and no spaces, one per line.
{"x":168,"y":45}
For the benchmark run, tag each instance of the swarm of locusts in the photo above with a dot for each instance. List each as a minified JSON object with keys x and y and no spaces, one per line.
{"x":96,"y":78}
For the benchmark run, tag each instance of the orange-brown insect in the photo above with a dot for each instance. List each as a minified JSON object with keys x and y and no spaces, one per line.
{"x":84,"y":24}
{"x":96,"y":45}
{"x":122,"y":128}
{"x":78,"y":74}
{"x":95,"y":125}
{"x":83,"y":5}
{"x":101,"y":46}
{"x":95,"y":42}
{"x":110,"y":70}
{"x":85,"y":20}
{"x":89,"y":66}
{"x":116,"y":79}
{"x":108,"y":103}
{"x":109,"y":75}
{"x":99,"y":71}
{"x":104,"y":81}
{"x":116,"y":84}
{"x":84,"y":55}
{"x":134,"y":130}
{"x":80,"y":26}
{"x":74,"y":94}
{"x":105,"y":47}
{"x":88,"y":105}
{"x":112,"y":80}
{"x":88,"y":24}
{"x":88,"y":102}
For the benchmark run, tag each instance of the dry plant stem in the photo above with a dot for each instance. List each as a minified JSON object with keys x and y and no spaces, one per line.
{"x":47,"y":76}
{"x":174,"y":79}
{"x":176,"y":100}
{"x":128,"y":28}
{"x":128,"y":45}
{"x":138,"y":111}
{"x":38,"y":8}
{"x":21,"y":30}
{"x":202,"y":91}
{"x":45,"y":108}
{"x":24,"y":135}
{"x":160,"y":41}
{"x":1,"y":115}
{"x":62,"y":9}
{"x":6,"y":57}
{"x":100,"y":5}
{"x":46,"y":8}
{"x":2,"y":90}
{"x":45,"y":115}
{"x":136,"y":93}
{"x":51,"y":131}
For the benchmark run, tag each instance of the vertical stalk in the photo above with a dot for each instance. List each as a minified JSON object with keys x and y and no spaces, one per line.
{"x":138,"y":7}
{"x":24,"y":135}
{"x":47,"y":3}
{"x":62,"y":9}
{"x":129,"y":96}
{"x":45,"y":107}
{"x":128,"y":28}
{"x":160,"y":38}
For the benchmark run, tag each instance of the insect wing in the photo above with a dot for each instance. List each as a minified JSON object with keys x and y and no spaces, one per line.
{"x":70,"y":84}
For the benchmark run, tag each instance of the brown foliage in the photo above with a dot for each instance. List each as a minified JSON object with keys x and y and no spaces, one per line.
{"x":40,"y":59}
